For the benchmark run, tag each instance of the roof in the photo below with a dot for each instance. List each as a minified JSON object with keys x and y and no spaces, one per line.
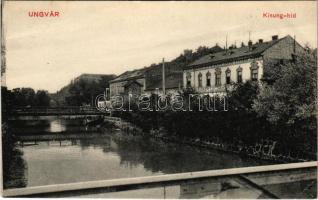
{"x":132,"y":82}
{"x":233,"y":54}
{"x":173,"y":80}
{"x":129,"y":75}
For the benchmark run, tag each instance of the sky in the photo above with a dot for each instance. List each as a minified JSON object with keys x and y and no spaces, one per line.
{"x":112,"y":37}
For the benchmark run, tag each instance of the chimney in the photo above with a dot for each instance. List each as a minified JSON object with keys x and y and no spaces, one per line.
{"x":260,"y":41}
{"x":275,"y":37}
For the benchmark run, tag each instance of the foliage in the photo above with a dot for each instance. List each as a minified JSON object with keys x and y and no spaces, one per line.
{"x":13,"y":164}
{"x":189,"y":55}
{"x":242,"y":96}
{"x":291,"y":96}
{"x":288,"y":101}
{"x":84,"y":92}
{"x":42,"y":98}
{"x":28,"y":97}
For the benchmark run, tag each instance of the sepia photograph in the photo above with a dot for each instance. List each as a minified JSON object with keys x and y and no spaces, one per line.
{"x":159,"y":100}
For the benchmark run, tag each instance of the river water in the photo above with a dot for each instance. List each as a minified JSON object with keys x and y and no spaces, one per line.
{"x":58,"y":151}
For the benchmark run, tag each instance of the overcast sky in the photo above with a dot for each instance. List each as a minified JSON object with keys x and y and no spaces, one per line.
{"x":112,"y":37}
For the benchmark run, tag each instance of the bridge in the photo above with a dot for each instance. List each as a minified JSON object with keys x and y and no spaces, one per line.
{"x":48,"y":111}
{"x":295,"y":180}
{"x":65,"y":112}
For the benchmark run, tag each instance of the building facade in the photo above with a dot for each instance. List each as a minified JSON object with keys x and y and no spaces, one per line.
{"x":214,"y":73}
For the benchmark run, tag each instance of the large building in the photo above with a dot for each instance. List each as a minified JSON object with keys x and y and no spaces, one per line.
{"x":210,"y":74}
{"x":213,"y":73}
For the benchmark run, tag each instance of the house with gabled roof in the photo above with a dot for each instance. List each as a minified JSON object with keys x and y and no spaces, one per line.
{"x":129,"y":82}
{"x":213,"y":73}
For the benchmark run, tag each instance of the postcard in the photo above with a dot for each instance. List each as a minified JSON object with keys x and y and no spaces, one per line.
{"x":167,"y":99}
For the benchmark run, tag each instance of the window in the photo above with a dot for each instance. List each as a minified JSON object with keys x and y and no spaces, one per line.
{"x":217,"y":77}
{"x":254,"y":71}
{"x":200,"y":80}
{"x":208,"y":79}
{"x":188,"y":78}
{"x":239,"y":75}
{"x":228,"y":76}
{"x":254,"y":74}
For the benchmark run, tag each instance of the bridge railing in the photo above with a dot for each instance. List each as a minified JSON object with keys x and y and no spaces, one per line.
{"x":254,"y":177}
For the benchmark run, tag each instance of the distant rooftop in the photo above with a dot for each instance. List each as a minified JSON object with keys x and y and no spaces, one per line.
{"x":128,"y":75}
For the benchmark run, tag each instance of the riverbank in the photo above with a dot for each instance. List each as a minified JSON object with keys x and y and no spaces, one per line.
{"x":263,"y":150}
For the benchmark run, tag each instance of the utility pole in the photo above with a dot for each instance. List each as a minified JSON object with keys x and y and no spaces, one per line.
{"x":163,"y":77}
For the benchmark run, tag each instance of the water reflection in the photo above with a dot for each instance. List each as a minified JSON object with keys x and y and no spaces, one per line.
{"x":108,"y":155}
{"x":57,"y":125}
{"x":159,"y":156}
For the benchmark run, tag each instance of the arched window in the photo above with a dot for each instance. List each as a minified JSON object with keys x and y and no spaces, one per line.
{"x":239,"y":74}
{"x":208,"y":79}
{"x":218,"y":77}
{"x":200,"y":79}
{"x":254,"y":71}
{"x":228,"y":76}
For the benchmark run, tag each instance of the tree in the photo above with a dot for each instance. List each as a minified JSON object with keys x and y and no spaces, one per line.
{"x":292,"y":95}
{"x":42,"y":98}
{"x":288,"y":102}
{"x":83,"y":92}
{"x":23,"y":97}
{"x":243,"y":95}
